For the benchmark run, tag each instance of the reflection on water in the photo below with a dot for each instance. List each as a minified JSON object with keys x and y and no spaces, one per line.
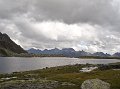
{"x":13,"y":64}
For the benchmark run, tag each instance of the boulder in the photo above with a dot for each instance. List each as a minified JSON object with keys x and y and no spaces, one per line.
{"x":95,"y":84}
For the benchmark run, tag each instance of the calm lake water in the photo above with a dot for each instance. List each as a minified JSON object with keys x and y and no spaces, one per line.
{"x":16,"y":64}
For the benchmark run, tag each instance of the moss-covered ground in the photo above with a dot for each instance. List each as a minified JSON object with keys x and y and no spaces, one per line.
{"x":70,"y":74}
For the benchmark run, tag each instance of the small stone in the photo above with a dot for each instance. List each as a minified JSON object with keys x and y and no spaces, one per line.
{"x":67,"y":84}
{"x":95,"y":84}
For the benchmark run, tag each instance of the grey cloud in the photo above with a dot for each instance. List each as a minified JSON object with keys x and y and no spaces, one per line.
{"x":69,"y":11}
{"x":91,"y":25}
{"x":9,"y":8}
{"x":75,"y":11}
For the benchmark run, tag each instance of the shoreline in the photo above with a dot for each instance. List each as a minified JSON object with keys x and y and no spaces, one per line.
{"x":65,"y":77}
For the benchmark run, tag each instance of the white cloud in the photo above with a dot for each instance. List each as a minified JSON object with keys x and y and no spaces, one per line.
{"x":84,"y":25}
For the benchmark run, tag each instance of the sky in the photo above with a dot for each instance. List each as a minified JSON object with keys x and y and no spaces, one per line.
{"x":89,"y":25}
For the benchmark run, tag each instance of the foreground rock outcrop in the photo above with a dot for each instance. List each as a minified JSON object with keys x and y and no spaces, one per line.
{"x":31,"y":84}
{"x":95,"y":84}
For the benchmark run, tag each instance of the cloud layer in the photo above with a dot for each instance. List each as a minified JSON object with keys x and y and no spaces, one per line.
{"x":81,"y":24}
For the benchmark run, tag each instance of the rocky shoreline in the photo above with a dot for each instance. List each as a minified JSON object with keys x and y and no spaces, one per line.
{"x":64,"y":77}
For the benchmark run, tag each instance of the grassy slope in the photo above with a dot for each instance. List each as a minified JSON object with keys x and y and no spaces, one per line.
{"x":71,"y":74}
{"x":98,"y":57}
{"x":5,"y":52}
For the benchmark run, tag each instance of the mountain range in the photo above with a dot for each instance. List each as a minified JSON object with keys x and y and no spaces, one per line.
{"x":70,"y":52}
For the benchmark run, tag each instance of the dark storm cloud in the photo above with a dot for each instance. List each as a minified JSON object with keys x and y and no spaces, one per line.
{"x":75,"y":11}
{"x":69,"y":11}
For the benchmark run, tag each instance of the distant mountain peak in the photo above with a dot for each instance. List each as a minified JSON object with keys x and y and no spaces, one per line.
{"x":68,"y":49}
{"x":0,"y":33}
{"x":117,"y":54}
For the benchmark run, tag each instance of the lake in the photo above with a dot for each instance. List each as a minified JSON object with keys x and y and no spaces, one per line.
{"x":16,"y":64}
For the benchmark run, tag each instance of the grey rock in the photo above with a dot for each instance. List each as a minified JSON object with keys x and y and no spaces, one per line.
{"x":95,"y":84}
{"x":30,"y":85}
{"x":67,"y":84}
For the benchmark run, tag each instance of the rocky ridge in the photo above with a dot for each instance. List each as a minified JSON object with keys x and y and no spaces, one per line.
{"x":8,"y":46}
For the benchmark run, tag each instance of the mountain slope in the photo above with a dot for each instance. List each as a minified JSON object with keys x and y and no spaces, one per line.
{"x":8,"y":46}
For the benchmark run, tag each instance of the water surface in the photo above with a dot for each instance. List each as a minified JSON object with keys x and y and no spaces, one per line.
{"x":16,"y":64}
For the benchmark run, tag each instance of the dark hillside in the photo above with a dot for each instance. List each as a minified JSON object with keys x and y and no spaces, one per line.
{"x":7,"y":44}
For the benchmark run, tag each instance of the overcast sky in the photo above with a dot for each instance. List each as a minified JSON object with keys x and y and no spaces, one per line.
{"x":90,"y":25}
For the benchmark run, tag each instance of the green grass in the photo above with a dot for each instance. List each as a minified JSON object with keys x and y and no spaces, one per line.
{"x":70,"y":74}
{"x":6,"y":52}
